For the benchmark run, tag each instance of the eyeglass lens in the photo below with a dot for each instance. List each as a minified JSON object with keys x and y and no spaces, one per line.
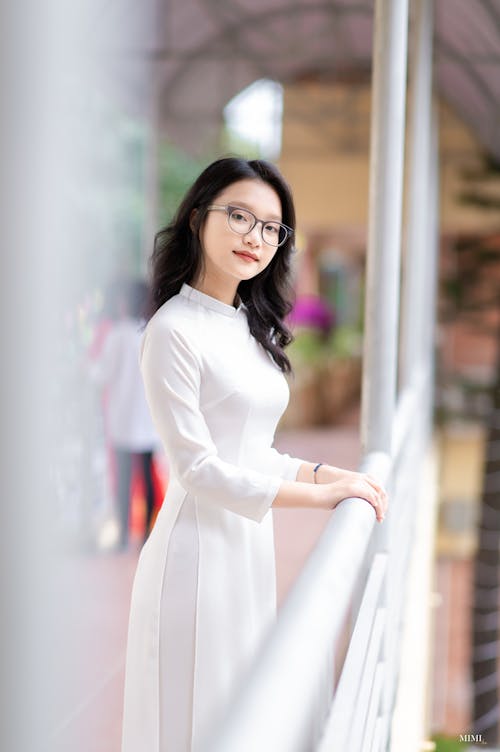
{"x":242,"y":222}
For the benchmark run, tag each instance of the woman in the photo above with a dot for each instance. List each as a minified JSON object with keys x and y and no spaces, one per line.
{"x":213,"y":362}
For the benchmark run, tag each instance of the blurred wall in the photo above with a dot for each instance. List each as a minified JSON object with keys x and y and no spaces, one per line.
{"x":325,"y":156}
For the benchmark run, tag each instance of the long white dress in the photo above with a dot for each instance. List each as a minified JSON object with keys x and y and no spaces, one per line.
{"x":204,"y":591}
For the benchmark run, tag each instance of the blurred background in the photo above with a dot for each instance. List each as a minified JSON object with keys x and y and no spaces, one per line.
{"x":111,"y":110}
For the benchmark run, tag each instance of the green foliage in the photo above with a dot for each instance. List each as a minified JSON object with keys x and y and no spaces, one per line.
{"x":306,"y":349}
{"x":346,"y":341}
{"x":178,"y":171}
{"x":448,"y":744}
{"x":311,"y":348}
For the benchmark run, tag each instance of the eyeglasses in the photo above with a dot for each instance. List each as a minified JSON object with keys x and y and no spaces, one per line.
{"x":242,"y":221}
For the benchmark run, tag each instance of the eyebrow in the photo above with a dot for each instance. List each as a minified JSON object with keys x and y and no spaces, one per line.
{"x":244,"y":205}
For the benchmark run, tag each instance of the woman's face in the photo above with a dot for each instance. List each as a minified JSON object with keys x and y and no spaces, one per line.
{"x":228,"y":256}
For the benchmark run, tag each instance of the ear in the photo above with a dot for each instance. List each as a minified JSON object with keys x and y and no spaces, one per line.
{"x":192,"y":218}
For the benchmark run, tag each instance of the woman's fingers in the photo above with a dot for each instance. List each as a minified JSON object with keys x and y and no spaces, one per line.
{"x":379,"y":498}
{"x":366,"y":490}
{"x":377,"y":503}
{"x":363,"y":486}
{"x":374,"y":482}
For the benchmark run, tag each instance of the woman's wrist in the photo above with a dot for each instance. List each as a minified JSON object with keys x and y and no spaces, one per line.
{"x":326,"y":473}
{"x":315,"y":471}
{"x":323,"y":473}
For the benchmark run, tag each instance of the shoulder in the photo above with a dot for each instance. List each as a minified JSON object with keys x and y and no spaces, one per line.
{"x":175,"y":324}
{"x":176,"y":315}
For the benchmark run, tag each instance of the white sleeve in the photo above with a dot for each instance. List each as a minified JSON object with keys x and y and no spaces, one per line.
{"x":171,"y":374}
{"x":283,"y":464}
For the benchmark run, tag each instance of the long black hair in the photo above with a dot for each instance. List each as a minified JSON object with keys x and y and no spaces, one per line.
{"x":178,"y":257}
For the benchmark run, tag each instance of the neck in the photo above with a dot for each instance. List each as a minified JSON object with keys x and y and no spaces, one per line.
{"x":225,"y":293}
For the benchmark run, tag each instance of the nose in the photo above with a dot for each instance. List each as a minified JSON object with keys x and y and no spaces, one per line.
{"x":254,"y":237}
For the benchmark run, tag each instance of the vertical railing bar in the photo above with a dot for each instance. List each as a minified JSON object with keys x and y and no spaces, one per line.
{"x":416,"y":258}
{"x":374,"y":706}
{"x":409,"y":403}
{"x":384,"y":230}
{"x":343,"y":706}
{"x":362,"y":701}
{"x":385,"y":731}
{"x":433,"y":254}
{"x":378,"y":736}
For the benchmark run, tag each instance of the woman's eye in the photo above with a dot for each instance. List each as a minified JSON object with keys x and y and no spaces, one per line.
{"x":239,"y":217}
{"x":272,"y":229}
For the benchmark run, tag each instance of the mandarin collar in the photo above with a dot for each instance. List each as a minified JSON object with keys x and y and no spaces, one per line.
{"x":208,"y":301}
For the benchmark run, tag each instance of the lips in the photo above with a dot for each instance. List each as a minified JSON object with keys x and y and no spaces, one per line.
{"x":246,"y":255}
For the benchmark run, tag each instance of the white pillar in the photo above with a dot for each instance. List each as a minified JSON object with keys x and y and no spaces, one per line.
{"x":386,"y":190}
{"x":418,"y":251}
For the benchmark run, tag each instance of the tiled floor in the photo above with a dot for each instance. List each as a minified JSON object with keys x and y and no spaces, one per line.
{"x":92,"y":644}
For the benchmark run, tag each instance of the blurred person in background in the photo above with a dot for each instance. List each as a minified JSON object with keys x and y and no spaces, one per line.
{"x":213,"y":364}
{"x":128,"y":423}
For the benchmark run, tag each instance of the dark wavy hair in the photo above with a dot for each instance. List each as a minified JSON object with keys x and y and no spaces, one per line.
{"x":178,"y":257}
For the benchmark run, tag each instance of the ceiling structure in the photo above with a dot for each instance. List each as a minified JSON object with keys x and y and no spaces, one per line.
{"x":193,"y":56}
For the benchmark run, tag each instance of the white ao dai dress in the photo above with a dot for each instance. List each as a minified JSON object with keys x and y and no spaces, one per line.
{"x":204,"y":593}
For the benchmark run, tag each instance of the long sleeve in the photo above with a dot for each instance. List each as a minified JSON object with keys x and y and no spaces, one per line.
{"x":171,"y":374}
{"x":283,"y":464}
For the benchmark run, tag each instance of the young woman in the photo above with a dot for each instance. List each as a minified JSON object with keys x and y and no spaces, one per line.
{"x":213,"y":362}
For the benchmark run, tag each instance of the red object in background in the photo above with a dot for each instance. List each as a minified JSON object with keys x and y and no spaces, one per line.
{"x":137,"y":500}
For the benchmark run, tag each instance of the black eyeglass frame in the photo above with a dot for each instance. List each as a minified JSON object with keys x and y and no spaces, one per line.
{"x":229,"y":208}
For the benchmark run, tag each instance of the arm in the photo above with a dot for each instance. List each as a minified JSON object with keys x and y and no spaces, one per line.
{"x":327,"y":495}
{"x":172,"y":377}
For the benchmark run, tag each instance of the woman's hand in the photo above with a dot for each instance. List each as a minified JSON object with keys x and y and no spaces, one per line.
{"x":351,"y":484}
{"x":332,"y":486}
